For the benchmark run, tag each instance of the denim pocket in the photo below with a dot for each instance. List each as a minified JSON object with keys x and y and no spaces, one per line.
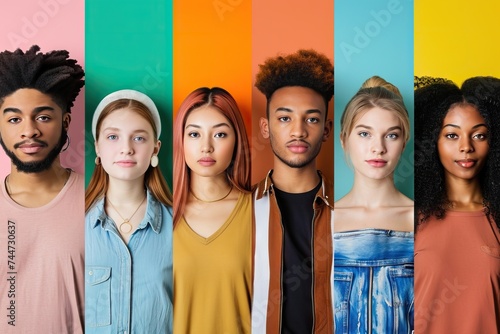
{"x":97,"y":296}
{"x":342,"y":292}
{"x":401,"y":279}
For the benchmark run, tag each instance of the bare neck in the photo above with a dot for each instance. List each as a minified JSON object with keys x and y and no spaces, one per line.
{"x":371,"y":193}
{"x":295,"y":180}
{"x":53,"y":178}
{"x":208,"y":187}
{"x":464,"y":194}
{"x":123,"y":192}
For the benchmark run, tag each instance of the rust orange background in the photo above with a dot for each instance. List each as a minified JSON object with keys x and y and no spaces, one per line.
{"x":284,"y":26}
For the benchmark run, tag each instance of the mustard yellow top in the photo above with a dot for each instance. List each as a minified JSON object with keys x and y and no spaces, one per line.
{"x":213,"y":276}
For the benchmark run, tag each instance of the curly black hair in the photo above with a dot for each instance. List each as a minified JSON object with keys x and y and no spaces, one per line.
{"x":305,"y":68}
{"x":419,"y":82}
{"x":432,"y":103}
{"x":52,"y":73}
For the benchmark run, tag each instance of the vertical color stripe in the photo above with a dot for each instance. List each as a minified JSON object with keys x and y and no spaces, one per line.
{"x":373,"y":38}
{"x":129,"y":45}
{"x":283,"y":27}
{"x":52,"y":25}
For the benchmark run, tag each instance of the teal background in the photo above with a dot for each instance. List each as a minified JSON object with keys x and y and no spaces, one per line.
{"x":128,"y":45}
{"x":386,"y":52}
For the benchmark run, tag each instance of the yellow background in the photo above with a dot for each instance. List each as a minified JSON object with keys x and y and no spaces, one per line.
{"x":457,"y":39}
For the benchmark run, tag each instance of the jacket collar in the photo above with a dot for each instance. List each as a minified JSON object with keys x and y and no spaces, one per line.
{"x":152,"y":217}
{"x":323,"y":196}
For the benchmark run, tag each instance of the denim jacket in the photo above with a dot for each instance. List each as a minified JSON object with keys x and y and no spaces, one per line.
{"x":128,"y":288}
{"x":373,"y":281}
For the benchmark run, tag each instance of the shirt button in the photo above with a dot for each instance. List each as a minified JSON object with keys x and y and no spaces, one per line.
{"x":91,"y":273}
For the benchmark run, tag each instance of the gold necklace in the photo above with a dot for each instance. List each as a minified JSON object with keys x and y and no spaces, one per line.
{"x":126,"y":221}
{"x":215,"y":200}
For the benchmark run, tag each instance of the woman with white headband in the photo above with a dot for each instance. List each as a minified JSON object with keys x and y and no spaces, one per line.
{"x":128,"y":222}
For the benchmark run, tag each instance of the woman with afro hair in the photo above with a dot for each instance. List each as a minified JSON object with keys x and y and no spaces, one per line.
{"x":457,"y":198}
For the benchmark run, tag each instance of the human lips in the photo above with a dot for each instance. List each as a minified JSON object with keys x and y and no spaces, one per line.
{"x":126,"y":163}
{"x":377,"y":162}
{"x":466,"y":163}
{"x":297,"y":146}
{"x":206,"y":161}
{"x":30,"y":147}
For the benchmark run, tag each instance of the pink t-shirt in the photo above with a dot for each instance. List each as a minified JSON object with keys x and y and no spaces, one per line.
{"x":42,"y":263}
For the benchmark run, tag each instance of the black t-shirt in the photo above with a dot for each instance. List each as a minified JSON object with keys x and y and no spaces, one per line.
{"x":296,"y":216}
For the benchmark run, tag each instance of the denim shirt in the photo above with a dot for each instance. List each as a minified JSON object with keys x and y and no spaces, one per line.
{"x":128,"y":288}
{"x":373,"y":281}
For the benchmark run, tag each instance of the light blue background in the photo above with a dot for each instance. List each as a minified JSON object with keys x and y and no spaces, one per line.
{"x":370,"y":42}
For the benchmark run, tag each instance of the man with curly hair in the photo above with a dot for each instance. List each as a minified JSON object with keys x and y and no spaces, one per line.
{"x":293,"y":204}
{"x":41,"y":202}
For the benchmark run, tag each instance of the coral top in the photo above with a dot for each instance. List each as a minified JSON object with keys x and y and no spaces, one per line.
{"x":457,"y":275}
{"x":213,"y":276}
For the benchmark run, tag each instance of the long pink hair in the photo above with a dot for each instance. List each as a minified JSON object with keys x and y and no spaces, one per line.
{"x":238,"y":172}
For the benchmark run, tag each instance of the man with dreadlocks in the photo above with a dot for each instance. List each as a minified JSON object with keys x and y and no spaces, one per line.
{"x":41,"y":202}
{"x":293,"y":204}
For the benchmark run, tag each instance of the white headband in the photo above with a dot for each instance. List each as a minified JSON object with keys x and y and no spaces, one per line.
{"x":131,"y":95}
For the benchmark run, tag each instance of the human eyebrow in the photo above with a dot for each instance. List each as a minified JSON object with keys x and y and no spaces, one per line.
{"x":285,"y":109}
{"x":35,"y":111}
{"x":363,"y":126}
{"x":308,"y":111}
{"x":13,"y":110}
{"x":392,"y":128}
{"x":220,"y":125}
{"x":479,"y":125}
{"x":110,"y":128}
{"x":199,"y":127}
{"x":452,"y":125}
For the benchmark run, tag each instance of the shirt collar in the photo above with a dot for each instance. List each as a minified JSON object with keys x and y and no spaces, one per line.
{"x":153,"y":215}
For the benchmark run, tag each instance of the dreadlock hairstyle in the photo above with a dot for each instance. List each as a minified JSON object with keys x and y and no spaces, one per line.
{"x":305,"y":68}
{"x":51,"y":73}
{"x":238,"y":172}
{"x":432,"y":104}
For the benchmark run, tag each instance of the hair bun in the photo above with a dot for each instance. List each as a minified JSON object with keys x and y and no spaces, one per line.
{"x":376,"y":81}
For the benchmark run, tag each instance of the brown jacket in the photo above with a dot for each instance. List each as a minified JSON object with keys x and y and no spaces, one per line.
{"x":268,"y":260}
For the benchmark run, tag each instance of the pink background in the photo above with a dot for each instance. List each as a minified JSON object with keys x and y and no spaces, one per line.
{"x":52,"y":25}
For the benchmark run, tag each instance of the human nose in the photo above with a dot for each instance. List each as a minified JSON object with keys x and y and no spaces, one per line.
{"x":127,"y":148}
{"x":207,"y":146}
{"x":378,"y":146}
{"x":298,"y":129}
{"x":466,"y":145}
{"x":30,"y":130}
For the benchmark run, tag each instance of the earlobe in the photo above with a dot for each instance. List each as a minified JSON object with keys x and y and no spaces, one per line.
{"x":327,"y":130}
{"x":66,"y":120}
{"x":264,"y":127}
{"x":157,"y":148}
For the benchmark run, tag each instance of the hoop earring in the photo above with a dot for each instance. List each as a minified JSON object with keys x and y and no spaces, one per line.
{"x":97,"y":160}
{"x":154,"y":161}
{"x":68,"y":141}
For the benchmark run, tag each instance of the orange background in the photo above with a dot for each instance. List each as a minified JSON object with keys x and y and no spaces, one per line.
{"x":283,"y":27}
{"x":212,"y":47}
